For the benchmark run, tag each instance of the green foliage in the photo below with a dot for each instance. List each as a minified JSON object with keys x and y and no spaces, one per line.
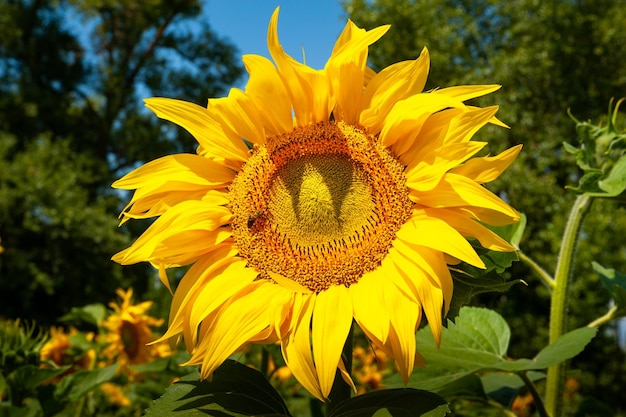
{"x":19,"y":344}
{"x":476,"y":345}
{"x":615,"y":283}
{"x":235,"y":390}
{"x":68,"y":379}
{"x":238,"y":390}
{"x":601,"y":156}
{"x":393,"y":402}
{"x":478,"y":341}
{"x":72,"y":121}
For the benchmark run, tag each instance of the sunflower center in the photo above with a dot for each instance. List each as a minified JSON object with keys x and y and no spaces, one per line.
{"x":320,"y":200}
{"x":319,"y":205}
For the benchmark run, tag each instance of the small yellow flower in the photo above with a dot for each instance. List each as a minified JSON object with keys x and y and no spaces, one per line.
{"x":115,"y":394}
{"x":59,"y":349}
{"x":348,"y":197}
{"x":129,"y":331}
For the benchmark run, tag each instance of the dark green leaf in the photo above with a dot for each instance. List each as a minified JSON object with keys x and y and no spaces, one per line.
{"x":615,"y":282}
{"x":170,"y":364}
{"x":30,"y":376}
{"x":91,"y":314}
{"x":393,"y":402}
{"x":235,"y":390}
{"x":76,"y":385}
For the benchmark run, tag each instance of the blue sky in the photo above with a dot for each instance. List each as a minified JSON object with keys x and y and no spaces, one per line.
{"x":312,"y":24}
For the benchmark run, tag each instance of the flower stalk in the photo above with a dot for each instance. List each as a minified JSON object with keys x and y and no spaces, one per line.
{"x":560,"y":300}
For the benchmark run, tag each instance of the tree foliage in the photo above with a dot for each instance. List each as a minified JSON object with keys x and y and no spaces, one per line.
{"x":72,"y":121}
{"x":549,"y":56}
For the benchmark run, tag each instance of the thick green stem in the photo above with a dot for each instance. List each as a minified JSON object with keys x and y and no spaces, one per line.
{"x":541,"y":273}
{"x":341,"y":390}
{"x":560,"y":295}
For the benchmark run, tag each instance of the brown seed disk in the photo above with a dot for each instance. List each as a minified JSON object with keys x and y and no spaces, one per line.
{"x":319,"y":205}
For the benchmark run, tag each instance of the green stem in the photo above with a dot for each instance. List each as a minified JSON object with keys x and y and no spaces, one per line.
{"x":610,"y":315}
{"x":545,"y":277}
{"x":541,"y":408}
{"x":560,"y":295}
{"x":265,"y":362}
{"x":341,"y":390}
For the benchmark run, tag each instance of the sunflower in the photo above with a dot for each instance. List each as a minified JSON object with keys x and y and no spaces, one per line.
{"x":318,"y":197}
{"x":129,"y":331}
{"x":60,"y":351}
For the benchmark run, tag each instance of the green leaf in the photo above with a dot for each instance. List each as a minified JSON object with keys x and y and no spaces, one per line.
{"x":497,"y":380}
{"x":393,"y":402}
{"x":478,"y":341}
{"x":31,"y":376}
{"x":91,"y":314}
{"x":470,"y":281}
{"x":170,"y":364}
{"x":615,"y":183}
{"x":235,"y":390}
{"x":76,"y":385}
{"x":615,"y":283}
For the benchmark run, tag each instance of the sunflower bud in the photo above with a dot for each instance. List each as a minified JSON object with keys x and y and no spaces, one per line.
{"x":601,"y":156}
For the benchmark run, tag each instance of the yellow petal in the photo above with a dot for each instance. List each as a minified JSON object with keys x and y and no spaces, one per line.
{"x":466,"y":124}
{"x":197,"y":121}
{"x":430,"y":297}
{"x":431,"y":262}
{"x":297,"y":347}
{"x":392,"y":84}
{"x":367,"y":304}
{"x":185,"y":217}
{"x":488,"y":168}
{"x":241,"y":319}
{"x":425,"y":173}
{"x":467,"y":92}
{"x":238,"y":116}
{"x":267,"y":91}
{"x":205,"y":269}
{"x":331,"y":323}
{"x":183,"y":168}
{"x":468,"y":227}
{"x":308,"y":89}
{"x":346,"y":70}
{"x":151,"y":202}
{"x":459,"y":191}
{"x":404,"y":121}
{"x":433,"y":232}
{"x":405,"y":315}
{"x":215,"y":292}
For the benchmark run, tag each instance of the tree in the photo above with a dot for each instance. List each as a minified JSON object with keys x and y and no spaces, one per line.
{"x":550,"y":56}
{"x":72,"y":121}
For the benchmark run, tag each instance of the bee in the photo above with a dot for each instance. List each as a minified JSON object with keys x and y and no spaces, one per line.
{"x":253,"y":218}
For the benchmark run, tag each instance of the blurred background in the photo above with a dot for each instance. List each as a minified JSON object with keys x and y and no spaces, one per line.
{"x":73,"y":75}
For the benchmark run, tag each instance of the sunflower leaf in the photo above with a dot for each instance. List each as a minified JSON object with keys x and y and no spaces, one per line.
{"x":478,"y":341}
{"x":76,"y":385}
{"x":615,"y":283}
{"x":393,"y":402}
{"x":235,"y":390}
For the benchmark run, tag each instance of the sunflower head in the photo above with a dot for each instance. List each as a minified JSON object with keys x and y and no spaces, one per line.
{"x":129,"y":331}
{"x":318,"y":197}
